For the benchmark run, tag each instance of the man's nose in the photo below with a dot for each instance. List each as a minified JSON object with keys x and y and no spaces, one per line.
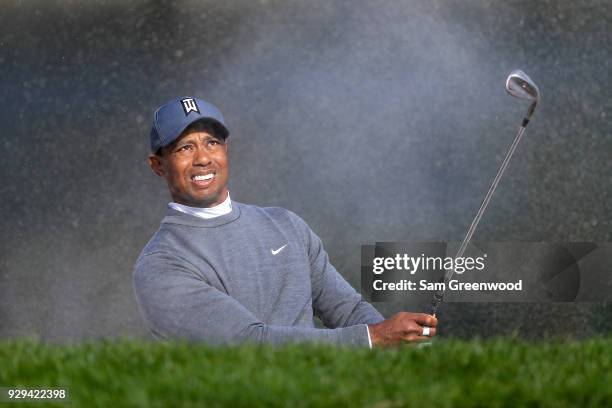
{"x":201,"y":157}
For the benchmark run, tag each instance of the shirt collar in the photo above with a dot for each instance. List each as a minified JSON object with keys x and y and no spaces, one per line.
{"x":210,"y":212}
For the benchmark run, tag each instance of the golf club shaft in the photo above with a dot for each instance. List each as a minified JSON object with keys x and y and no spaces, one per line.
{"x":439,"y":295}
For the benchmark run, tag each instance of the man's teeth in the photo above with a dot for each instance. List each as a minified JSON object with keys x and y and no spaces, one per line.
{"x":205,"y":177}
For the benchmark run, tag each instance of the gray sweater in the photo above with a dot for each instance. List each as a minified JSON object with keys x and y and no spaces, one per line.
{"x":252,"y":275}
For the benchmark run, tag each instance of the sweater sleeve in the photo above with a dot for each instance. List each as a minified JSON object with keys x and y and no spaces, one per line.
{"x":177,"y":303}
{"x":334,"y":300}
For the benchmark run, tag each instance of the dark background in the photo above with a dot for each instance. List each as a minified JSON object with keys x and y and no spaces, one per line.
{"x":374,"y":121}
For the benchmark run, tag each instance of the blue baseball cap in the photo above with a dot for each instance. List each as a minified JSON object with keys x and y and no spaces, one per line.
{"x":173,"y":117}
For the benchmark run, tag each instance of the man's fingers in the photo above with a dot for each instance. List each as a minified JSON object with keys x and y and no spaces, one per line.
{"x":425,"y":319}
{"x":417,"y":331}
{"x":412,"y":338}
{"x":432,"y":332}
{"x":421,"y":331}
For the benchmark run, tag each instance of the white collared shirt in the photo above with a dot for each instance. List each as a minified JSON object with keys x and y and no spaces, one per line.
{"x":209,"y":212}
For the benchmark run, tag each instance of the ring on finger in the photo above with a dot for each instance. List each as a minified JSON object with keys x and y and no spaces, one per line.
{"x":426,"y":330}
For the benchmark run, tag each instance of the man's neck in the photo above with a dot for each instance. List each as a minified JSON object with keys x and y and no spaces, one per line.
{"x":205,"y":212}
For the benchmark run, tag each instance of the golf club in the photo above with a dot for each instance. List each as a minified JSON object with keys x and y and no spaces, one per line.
{"x":521,"y":86}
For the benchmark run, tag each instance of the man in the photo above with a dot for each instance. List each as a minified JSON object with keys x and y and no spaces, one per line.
{"x":223,"y":272}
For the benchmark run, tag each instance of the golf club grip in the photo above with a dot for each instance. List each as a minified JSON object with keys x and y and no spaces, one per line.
{"x":436,"y":299}
{"x":433,"y":309}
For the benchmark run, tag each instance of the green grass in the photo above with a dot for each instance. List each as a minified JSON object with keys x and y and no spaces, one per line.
{"x":494,"y":373}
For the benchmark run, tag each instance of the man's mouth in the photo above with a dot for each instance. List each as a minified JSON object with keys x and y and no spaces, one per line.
{"x":203,"y":180}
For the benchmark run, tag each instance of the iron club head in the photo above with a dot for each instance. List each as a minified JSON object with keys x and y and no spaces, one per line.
{"x":521,"y":86}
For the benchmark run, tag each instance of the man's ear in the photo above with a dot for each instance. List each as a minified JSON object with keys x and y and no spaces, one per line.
{"x":156,"y":165}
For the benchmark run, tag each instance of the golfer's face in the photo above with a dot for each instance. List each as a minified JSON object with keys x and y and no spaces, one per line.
{"x":196,"y":169}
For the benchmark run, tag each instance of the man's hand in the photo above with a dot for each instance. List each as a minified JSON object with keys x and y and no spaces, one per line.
{"x":402,"y":327}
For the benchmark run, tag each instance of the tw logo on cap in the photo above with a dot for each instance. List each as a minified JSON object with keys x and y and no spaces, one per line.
{"x":189,"y":105}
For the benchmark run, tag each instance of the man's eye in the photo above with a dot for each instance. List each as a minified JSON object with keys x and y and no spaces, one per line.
{"x":185,"y":148}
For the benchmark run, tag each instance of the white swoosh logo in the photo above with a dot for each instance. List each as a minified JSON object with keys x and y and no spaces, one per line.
{"x":276,"y":251}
